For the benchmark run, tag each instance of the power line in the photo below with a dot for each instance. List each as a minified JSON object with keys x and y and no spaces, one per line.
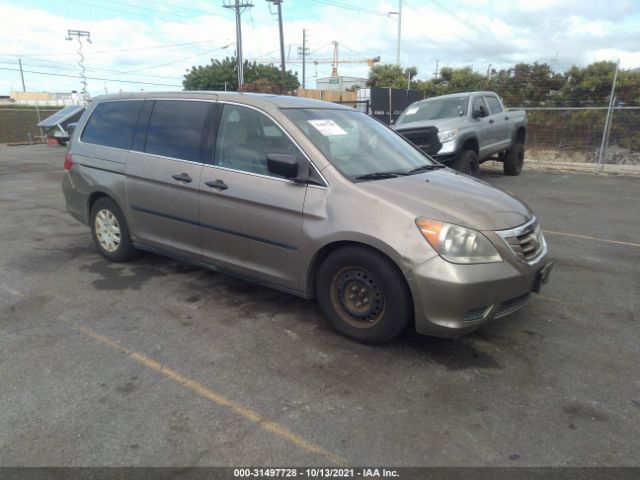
{"x":173,"y":5}
{"x":175,"y":77}
{"x":150,"y":9}
{"x":95,"y":5}
{"x":98,"y":52}
{"x":351,"y":7}
{"x":90,"y":78}
{"x":172,"y":62}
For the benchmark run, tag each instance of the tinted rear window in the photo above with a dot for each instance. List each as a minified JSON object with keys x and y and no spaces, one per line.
{"x":176,"y":129}
{"x":112,"y":124}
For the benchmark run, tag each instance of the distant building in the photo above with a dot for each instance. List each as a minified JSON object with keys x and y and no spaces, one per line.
{"x":46,"y":99}
{"x":340,"y":83}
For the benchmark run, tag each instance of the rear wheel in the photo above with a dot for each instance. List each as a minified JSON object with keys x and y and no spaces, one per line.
{"x":110,"y":231}
{"x":467,"y":162}
{"x":363,"y":295}
{"x":514,"y":160}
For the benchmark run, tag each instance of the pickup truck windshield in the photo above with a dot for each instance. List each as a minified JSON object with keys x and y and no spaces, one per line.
{"x":436,"y":109}
{"x":358,"y":145}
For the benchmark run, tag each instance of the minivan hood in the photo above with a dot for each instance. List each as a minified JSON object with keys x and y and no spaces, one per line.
{"x":452,"y":197}
{"x":441,"y":124}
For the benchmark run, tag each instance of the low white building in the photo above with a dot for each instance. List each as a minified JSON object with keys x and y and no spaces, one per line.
{"x":340,"y":83}
{"x":46,"y":99}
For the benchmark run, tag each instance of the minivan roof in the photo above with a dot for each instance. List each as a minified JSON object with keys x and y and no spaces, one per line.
{"x":265,"y":101}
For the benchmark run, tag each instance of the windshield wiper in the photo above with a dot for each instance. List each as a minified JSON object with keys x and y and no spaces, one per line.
{"x":425,"y":168}
{"x":380,"y":175}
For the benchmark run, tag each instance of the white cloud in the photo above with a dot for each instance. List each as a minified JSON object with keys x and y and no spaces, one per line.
{"x":476,"y":33}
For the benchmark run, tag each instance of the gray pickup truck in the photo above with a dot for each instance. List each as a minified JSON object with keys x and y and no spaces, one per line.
{"x":471,"y":128}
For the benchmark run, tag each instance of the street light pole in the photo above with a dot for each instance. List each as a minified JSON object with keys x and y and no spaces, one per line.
{"x":282,"y":61}
{"x":399,"y":14}
{"x":399,"y":32}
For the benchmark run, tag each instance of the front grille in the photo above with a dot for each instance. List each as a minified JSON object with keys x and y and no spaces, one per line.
{"x":477,"y":314}
{"x":511,"y":305}
{"x":504,"y":308}
{"x":527,"y":243}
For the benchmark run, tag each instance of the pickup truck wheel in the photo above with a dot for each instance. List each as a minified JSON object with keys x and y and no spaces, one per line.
{"x":467,"y":162}
{"x":363,"y":296}
{"x":514,"y":160}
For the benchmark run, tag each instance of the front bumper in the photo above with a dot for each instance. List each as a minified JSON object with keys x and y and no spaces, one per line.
{"x":448,"y":152}
{"x":451,"y":300}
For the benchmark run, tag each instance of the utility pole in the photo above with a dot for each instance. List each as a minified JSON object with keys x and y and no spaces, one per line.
{"x":237,"y":5}
{"x":435,"y":74}
{"x":489,"y":70}
{"x":283,"y":87}
{"x":304,"y":58}
{"x":24,"y":89}
{"x":80,"y":34}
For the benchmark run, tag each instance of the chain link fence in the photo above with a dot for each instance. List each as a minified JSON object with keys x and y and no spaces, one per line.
{"x":576,"y":135}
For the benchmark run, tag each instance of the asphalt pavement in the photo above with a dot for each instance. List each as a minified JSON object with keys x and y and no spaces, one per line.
{"x":157,"y":363}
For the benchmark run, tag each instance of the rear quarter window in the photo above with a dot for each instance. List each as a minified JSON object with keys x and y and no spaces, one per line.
{"x":112,"y":124}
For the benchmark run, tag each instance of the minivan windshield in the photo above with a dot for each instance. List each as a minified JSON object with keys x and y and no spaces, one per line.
{"x":359,"y":146}
{"x":435,"y":109}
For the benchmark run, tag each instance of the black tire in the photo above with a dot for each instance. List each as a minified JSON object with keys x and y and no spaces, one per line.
{"x":514,"y":160}
{"x":111,"y":226}
{"x":363,"y":295}
{"x":467,"y":162}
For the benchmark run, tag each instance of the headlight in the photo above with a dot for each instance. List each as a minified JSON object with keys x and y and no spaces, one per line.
{"x":448,"y":135}
{"x":458,"y":244}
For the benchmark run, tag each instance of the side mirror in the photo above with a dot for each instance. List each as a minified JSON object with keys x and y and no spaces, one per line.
{"x":283,"y":165}
{"x":478,"y":112}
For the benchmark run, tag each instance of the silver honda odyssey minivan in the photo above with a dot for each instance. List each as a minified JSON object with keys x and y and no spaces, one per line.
{"x":312,"y":198}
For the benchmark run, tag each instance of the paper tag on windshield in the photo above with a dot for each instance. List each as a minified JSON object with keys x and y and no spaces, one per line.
{"x":327,"y":127}
{"x":411,"y":111}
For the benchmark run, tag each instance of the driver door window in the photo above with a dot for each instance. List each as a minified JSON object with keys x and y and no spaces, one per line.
{"x":246,"y":137}
{"x":479,"y":104}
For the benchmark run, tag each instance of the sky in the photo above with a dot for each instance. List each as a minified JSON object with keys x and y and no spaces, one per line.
{"x":149,"y":44}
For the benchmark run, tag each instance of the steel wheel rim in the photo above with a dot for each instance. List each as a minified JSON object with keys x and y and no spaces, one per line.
{"x":357,"y":297}
{"x":108,"y":230}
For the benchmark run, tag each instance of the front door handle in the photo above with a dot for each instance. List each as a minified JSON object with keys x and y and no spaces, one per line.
{"x":506,"y":118}
{"x":218,"y":185}
{"x":183,"y":177}
{"x":491,"y":120}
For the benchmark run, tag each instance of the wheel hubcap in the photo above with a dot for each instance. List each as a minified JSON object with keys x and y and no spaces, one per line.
{"x":358,"y":297}
{"x":108,"y":230}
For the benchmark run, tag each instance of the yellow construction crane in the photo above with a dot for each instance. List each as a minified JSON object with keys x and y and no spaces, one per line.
{"x":334,"y":60}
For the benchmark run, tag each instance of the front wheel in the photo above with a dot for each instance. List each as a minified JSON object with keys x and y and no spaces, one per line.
{"x":467,"y":162}
{"x":363,"y":295}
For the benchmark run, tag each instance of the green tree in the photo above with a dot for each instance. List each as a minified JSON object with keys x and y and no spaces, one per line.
{"x":257,"y":77}
{"x":454,"y":80}
{"x":388,"y":75}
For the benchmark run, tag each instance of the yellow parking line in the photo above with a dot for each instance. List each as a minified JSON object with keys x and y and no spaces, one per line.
{"x":218,"y":399}
{"x":12,"y":291}
{"x":587,"y":237}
